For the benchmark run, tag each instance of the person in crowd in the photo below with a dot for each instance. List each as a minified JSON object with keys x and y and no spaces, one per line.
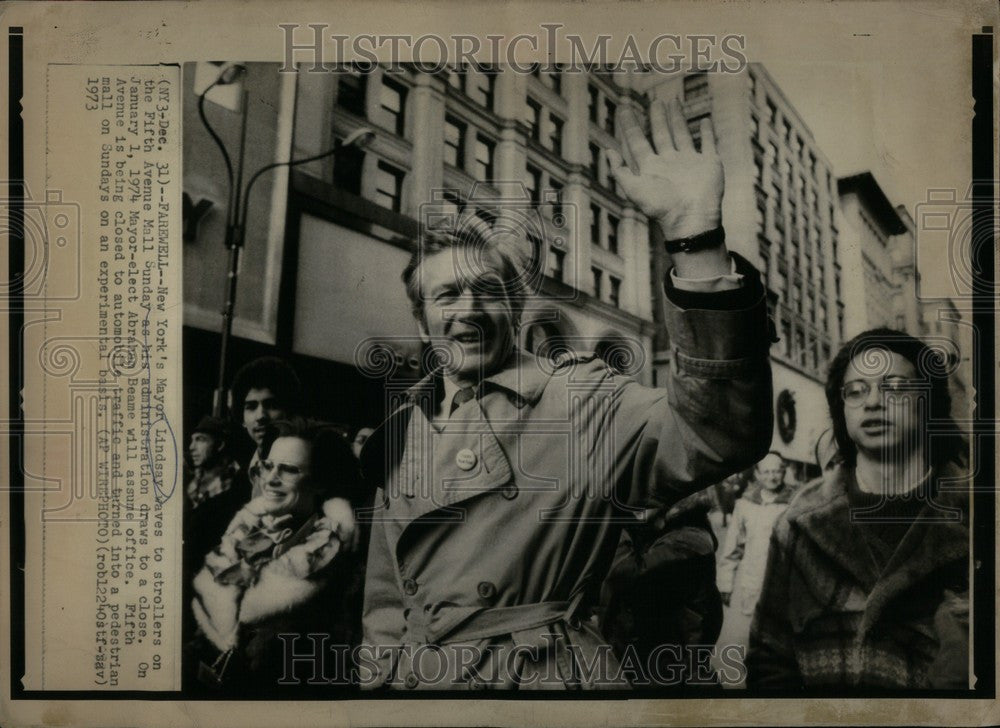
{"x":744,"y":551}
{"x":213,"y":494}
{"x":360,"y":438}
{"x":492,"y":530}
{"x":867,"y":575}
{"x":265,"y":390}
{"x":283,"y":568}
{"x":661,"y":593}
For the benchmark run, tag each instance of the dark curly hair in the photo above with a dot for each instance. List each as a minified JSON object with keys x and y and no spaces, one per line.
{"x":267,"y":372}
{"x":332,"y":465}
{"x":948,"y":444}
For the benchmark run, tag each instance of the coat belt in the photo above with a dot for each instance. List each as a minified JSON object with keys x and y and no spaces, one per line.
{"x":493,"y":622}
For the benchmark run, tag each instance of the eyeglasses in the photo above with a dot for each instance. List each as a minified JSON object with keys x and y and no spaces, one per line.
{"x":856,"y":392}
{"x":287,"y":473}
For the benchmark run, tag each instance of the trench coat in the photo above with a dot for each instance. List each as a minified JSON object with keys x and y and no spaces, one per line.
{"x":744,"y":553}
{"x":492,"y":532}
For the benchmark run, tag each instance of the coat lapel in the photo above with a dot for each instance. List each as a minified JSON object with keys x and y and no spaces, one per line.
{"x":828,"y":526}
{"x":939,"y":537}
{"x":931,"y":543}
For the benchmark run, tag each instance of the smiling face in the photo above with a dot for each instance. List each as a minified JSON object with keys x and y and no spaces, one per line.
{"x":771,"y":472}
{"x":880,"y":420}
{"x":285,"y":475}
{"x":467,"y":312}
{"x":260,"y":408}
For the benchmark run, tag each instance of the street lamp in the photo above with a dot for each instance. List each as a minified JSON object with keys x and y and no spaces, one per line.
{"x":239,"y":196}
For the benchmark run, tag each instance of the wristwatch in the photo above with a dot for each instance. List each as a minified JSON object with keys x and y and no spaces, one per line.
{"x":702,"y":241}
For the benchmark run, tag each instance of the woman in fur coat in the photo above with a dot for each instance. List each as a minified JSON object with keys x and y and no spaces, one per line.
{"x":283,"y":581}
{"x":867,"y":580}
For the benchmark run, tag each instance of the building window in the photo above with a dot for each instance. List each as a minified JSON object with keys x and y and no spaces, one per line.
{"x":454,"y":201}
{"x":800,"y":347}
{"x":772,"y":112}
{"x":454,"y":142}
{"x":556,"y":134}
{"x":351,"y":93}
{"x":595,"y":162}
{"x":534,"y":179}
{"x":347,"y":168}
{"x":557,"y":264}
{"x":483,"y":169}
{"x":593,"y":102}
{"x":694,"y":126}
{"x":779,"y":213}
{"x":389,"y":186}
{"x":557,"y":188}
{"x":764,"y":246}
{"x":609,"y":116}
{"x":480,"y":87}
{"x":597,"y":282}
{"x":786,"y":337}
{"x":393,"y":102}
{"x":595,"y":224}
{"x":695,"y":86}
{"x":455,"y":79}
{"x":613,"y":234}
{"x":555,"y":79}
{"x":534,"y":119}
{"x":761,"y":214}
{"x":614,"y":294}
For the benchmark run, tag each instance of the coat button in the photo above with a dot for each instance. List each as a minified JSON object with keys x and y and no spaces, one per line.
{"x":509,"y":491}
{"x":466,"y":459}
{"x":486,"y":590}
{"x":409,"y":587}
{"x":411,"y":681}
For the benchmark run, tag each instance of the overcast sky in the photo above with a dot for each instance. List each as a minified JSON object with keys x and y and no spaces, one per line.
{"x":884,"y":87}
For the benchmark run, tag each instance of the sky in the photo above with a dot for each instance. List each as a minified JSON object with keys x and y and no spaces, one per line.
{"x":884,"y":88}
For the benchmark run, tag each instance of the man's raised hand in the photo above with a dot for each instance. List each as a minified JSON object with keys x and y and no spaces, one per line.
{"x":677,"y":186}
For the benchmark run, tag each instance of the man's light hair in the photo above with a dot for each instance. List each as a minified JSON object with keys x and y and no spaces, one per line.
{"x":474,"y":242}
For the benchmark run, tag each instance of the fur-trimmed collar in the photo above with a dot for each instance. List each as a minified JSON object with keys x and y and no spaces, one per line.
{"x":821,"y":513}
{"x":220,"y":609}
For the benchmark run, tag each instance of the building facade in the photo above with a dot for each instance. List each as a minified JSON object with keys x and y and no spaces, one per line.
{"x":874,"y":230}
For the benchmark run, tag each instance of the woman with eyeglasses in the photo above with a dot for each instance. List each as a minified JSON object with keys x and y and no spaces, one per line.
{"x":283,"y":571}
{"x":868,"y":570}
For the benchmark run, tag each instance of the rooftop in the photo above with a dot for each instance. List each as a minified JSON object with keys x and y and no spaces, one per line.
{"x":865,"y":187}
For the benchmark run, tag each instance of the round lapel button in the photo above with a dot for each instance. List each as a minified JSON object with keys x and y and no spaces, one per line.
{"x":466,"y":459}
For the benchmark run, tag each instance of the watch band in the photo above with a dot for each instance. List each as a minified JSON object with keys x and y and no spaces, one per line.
{"x":702,"y":241}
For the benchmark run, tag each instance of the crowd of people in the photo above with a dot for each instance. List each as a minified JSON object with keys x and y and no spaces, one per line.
{"x":465,"y":543}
